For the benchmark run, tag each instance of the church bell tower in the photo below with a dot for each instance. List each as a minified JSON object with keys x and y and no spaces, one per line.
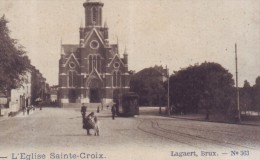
{"x":93,"y":13}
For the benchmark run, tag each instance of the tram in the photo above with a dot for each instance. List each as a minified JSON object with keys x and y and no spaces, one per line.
{"x":127,"y":104}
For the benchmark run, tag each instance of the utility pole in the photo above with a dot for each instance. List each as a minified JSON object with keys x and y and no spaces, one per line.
{"x":168,"y":92}
{"x":237,"y":89}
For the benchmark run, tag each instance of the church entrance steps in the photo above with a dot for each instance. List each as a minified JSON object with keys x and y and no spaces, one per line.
{"x":78,"y":105}
{"x":91,"y":107}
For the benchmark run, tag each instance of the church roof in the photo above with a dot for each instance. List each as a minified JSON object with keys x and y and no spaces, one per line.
{"x":69,"y":48}
{"x":94,"y":1}
{"x":114,"y":48}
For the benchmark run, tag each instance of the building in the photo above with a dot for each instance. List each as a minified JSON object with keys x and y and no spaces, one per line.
{"x":53,"y":94}
{"x":92,"y":71}
{"x":39,"y":87}
{"x":21,"y":97}
{"x":34,"y":87}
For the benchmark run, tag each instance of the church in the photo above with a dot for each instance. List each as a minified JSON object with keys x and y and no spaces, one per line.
{"x":92,"y":71}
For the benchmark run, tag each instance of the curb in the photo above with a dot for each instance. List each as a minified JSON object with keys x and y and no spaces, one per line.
{"x":19,"y":114}
{"x":191,"y":119}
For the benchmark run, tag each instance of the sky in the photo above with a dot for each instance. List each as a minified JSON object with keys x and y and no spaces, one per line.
{"x":172,"y":33}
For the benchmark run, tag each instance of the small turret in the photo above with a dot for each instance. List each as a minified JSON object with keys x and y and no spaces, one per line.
{"x":105,"y":30}
{"x":81,"y":31}
{"x":105,"y":24}
{"x":125,"y":56}
{"x":62,"y":54}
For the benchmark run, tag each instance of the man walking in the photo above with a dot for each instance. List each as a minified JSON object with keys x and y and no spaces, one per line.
{"x":113,"y":110}
{"x":83,"y":110}
{"x":28,"y":110}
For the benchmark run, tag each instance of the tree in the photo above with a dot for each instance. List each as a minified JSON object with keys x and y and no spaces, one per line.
{"x":256,"y":95}
{"x":13,"y":61}
{"x":207,"y":87}
{"x":148,"y":84}
{"x":246,"y":98}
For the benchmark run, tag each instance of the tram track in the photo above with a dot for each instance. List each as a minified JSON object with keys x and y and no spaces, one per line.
{"x":216,"y":142}
{"x":139,"y":127}
{"x":228,"y":133}
{"x":159,"y":131}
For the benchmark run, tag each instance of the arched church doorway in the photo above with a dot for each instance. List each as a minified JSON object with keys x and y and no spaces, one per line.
{"x":94,"y":95}
{"x":72,"y":96}
{"x":95,"y":91}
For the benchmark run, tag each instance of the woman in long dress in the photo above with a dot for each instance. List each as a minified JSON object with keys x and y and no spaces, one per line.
{"x":89,"y":122}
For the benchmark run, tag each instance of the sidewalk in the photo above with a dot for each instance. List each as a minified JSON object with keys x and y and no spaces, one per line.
{"x":3,"y":118}
{"x":200,"y":117}
{"x":19,"y":114}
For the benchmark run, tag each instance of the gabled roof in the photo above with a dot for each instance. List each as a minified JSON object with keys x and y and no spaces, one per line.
{"x":116,"y":56}
{"x":93,"y":74}
{"x":90,"y":34}
{"x":71,"y":56}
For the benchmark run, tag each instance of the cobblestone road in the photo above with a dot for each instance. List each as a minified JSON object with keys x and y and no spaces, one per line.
{"x":59,"y":131}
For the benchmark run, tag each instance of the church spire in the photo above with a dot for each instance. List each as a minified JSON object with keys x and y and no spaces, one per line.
{"x":117,"y":44}
{"x":105,"y":30}
{"x":125,"y":52}
{"x":61,"y":48}
{"x":125,"y":56}
{"x":81,"y":30}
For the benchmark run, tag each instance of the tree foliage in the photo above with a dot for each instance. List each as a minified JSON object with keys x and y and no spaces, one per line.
{"x":148,"y":84}
{"x":13,"y":59}
{"x":207,"y":86}
{"x":246,"y":97}
{"x":256,"y":95}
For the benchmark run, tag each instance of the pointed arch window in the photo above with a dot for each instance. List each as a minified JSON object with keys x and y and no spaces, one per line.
{"x":98,"y":64}
{"x":95,"y":62}
{"x":90,"y":65}
{"x":94,"y":16}
{"x":72,"y":78}
{"x":116,"y":79}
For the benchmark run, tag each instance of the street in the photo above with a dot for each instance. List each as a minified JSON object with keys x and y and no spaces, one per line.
{"x":148,"y":135}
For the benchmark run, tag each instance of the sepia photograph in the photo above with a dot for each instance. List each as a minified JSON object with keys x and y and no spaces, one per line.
{"x":129,"y":79}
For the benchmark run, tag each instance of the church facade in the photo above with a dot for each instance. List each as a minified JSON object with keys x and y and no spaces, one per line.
{"x":93,"y":70}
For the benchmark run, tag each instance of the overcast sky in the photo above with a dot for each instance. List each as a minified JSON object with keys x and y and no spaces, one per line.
{"x":176,"y":33}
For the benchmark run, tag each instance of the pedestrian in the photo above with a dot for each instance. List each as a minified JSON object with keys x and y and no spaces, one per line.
{"x":83,"y":110}
{"x":89,"y":122}
{"x":24,"y":110}
{"x":107,"y":106}
{"x":98,"y":109}
{"x":113,"y":110}
{"x":28,"y":110}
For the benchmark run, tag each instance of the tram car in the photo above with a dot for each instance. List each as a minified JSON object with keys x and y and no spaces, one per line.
{"x":127,"y":104}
